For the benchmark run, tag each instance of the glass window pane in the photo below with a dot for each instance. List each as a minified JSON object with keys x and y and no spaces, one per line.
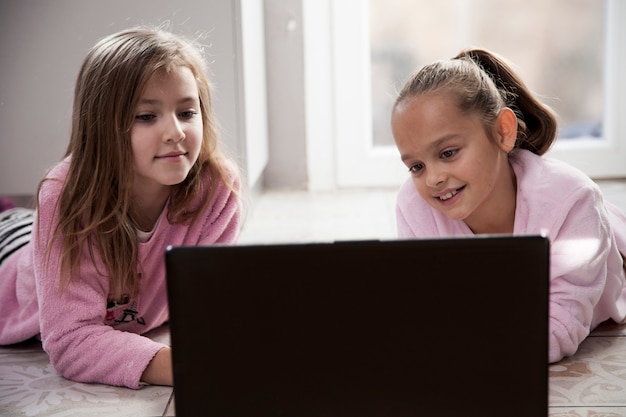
{"x":556,"y":46}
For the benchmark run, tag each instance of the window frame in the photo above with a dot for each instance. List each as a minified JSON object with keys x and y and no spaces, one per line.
{"x":345,"y":59}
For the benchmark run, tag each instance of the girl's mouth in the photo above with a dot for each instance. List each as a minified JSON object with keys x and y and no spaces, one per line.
{"x":171,"y":155}
{"x":450,"y":194}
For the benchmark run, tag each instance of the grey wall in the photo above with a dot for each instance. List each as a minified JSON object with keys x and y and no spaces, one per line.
{"x":286,"y":101}
{"x":42,"y":45}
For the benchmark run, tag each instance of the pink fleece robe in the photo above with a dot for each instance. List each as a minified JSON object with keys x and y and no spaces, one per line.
{"x":586,"y":234}
{"x":87,"y":338}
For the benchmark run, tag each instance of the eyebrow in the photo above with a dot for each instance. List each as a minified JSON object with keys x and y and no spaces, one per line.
{"x":435,"y":144}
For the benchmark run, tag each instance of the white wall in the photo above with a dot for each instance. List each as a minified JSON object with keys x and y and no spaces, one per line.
{"x":287,"y":165}
{"x":43,"y":43}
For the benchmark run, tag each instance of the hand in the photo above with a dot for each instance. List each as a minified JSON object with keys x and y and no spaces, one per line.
{"x":159,"y":370}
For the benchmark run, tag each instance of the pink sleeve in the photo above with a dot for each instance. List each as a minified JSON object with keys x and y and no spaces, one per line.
{"x":618,"y":221}
{"x":81,"y":347}
{"x":585,"y":265}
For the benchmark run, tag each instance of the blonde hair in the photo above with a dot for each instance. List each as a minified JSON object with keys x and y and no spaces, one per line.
{"x":485,"y":83}
{"x":96,"y":201}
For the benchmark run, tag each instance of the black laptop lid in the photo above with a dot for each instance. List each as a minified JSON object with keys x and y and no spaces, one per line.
{"x":442,"y":327}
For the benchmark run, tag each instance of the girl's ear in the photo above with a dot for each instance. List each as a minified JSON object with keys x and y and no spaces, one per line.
{"x":506,"y":129}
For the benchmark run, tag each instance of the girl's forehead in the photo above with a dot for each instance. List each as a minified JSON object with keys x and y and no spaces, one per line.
{"x":180,"y":77}
{"x":430,"y":107}
{"x":425,"y":119}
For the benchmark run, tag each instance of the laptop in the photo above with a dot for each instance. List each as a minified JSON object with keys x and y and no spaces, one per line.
{"x":432,"y":327}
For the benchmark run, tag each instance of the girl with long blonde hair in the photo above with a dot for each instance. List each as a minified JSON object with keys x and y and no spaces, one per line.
{"x":143,"y":170}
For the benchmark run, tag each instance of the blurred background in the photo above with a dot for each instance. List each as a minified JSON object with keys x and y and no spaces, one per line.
{"x":557,"y":47}
{"x":303,"y":88}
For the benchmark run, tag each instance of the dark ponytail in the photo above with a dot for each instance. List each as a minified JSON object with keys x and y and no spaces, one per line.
{"x":485,"y":84}
{"x":537,"y":126}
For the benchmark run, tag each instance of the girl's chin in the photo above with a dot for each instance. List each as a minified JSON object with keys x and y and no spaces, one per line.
{"x":452,"y":214}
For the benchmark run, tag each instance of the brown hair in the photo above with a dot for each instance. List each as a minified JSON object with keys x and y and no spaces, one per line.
{"x":96,"y":201}
{"x":484,"y":84}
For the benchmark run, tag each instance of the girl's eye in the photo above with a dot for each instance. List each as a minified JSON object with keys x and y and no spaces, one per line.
{"x":145,"y":117}
{"x":188,"y":114}
{"x":414,"y":169}
{"x":449,"y":153}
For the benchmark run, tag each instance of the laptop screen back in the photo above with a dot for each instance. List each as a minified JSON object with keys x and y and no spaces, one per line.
{"x":441,"y":327}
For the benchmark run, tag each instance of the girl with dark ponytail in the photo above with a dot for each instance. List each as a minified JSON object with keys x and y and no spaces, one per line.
{"x":473,"y":137}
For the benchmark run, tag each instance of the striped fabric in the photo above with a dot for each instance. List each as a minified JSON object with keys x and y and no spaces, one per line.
{"x":16,"y":225}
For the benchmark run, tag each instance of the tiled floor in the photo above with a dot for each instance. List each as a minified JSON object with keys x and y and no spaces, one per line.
{"x":592,"y":383}
{"x":29,"y":386}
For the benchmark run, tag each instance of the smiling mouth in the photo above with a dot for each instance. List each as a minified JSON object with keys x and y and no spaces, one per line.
{"x":450,"y":194}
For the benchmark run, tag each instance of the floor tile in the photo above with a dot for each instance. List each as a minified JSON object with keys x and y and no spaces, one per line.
{"x":30,"y":386}
{"x":587,"y":412}
{"x":284,"y":216}
{"x":594,"y":377}
{"x":170,"y":411}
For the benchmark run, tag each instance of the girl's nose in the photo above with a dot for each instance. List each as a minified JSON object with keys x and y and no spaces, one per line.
{"x":434,"y":177}
{"x":173,"y":131}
